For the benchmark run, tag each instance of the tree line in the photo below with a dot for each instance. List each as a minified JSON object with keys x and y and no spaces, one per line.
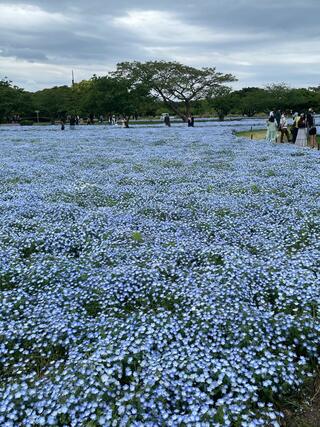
{"x":148,"y":89}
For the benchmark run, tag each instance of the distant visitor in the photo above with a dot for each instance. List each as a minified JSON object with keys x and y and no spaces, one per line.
{"x":167,"y":120}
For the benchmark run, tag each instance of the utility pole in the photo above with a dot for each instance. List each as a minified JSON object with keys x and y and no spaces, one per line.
{"x":72,"y":78}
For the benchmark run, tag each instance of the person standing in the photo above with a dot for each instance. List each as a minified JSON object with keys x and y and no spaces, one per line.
{"x":301,"y":140}
{"x":312,"y":130}
{"x":277,"y":116}
{"x":62,"y":124}
{"x":190,"y":121}
{"x":167,"y":120}
{"x":284,"y":127}
{"x":294,"y":129}
{"x":72,"y":122}
{"x":125,"y":122}
{"x":272,"y":129}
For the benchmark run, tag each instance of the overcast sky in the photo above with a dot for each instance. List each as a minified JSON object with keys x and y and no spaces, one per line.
{"x":259,"y":41}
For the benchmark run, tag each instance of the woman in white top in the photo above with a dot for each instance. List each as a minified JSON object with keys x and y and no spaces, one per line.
{"x":272,"y":129}
{"x":302,"y":139}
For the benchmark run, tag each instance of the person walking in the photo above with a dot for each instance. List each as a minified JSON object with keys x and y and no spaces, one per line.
{"x":167,"y":120}
{"x":312,"y":130}
{"x":284,"y":127}
{"x":301,"y":140}
{"x":272,"y":129}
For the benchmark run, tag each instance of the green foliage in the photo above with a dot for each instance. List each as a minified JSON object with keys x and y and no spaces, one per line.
{"x":26,"y":122}
{"x":55,"y":102}
{"x":110,"y":95}
{"x":149,"y":89}
{"x":222,"y":102}
{"x":251,"y":100}
{"x":177,"y":85}
{"x":13,"y":100}
{"x":137,"y":237}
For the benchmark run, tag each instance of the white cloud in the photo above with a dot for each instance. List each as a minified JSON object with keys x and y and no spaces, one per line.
{"x":156,"y":26}
{"x":36,"y":75}
{"x":28,"y":17}
{"x":42,"y":40}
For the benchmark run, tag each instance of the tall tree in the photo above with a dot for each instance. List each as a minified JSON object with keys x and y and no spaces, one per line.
{"x":252,"y":100}
{"x":223,"y":102}
{"x":176,"y":84}
{"x":54,"y":102}
{"x":13,"y":100}
{"x":109,"y":94}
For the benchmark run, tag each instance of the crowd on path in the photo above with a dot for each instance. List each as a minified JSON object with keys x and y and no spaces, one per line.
{"x":302,"y":128}
{"x":113,"y":120}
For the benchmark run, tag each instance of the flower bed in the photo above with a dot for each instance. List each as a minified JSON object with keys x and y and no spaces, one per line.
{"x":154,"y":277}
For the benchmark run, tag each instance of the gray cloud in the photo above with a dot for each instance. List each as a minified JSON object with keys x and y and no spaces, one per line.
{"x":260,"y":42}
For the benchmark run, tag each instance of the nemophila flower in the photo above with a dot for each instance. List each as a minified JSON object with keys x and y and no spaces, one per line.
{"x":152,"y":284}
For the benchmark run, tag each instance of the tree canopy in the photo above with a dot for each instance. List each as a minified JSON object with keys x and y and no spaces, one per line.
{"x":177,"y":85}
{"x":108,"y":94}
{"x":150,"y":89}
{"x":13,"y":100}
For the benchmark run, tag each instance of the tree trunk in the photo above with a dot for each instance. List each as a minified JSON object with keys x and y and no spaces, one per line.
{"x":188,"y":112}
{"x":171,"y":104}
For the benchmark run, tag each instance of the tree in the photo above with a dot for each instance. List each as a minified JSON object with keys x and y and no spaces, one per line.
{"x":54,"y":102}
{"x":176,"y":84}
{"x":109,"y":94}
{"x":251,"y":100}
{"x":278,"y":94}
{"x":223,"y":102}
{"x":13,"y":100}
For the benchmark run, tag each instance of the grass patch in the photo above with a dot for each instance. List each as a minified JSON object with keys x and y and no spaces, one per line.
{"x":137,"y":237}
{"x":254,"y":134}
{"x":258,"y":134}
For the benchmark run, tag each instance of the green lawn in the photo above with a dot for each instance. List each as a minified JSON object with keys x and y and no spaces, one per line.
{"x":260,"y":134}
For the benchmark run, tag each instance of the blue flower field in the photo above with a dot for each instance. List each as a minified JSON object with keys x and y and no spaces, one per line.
{"x":155,"y":276}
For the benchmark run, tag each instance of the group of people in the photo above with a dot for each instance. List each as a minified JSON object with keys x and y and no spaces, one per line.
{"x":302,"y":128}
{"x":190,"y":120}
{"x":114,"y":120}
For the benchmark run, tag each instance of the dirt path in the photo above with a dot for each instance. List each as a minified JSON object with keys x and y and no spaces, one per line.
{"x":304,"y":409}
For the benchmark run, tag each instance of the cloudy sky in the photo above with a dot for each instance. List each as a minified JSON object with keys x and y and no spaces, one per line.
{"x":259,"y":41}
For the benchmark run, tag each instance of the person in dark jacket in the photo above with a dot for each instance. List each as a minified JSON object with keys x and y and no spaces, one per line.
{"x":191,"y":121}
{"x":167,"y":120}
{"x":312,"y":130}
{"x":277,"y":116}
{"x":72,"y":122}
